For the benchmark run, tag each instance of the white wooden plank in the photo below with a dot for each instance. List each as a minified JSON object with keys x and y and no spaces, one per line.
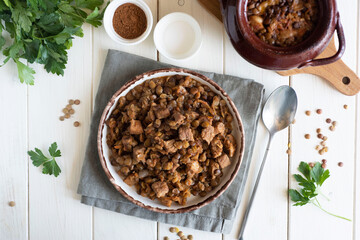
{"x":270,"y":215}
{"x":14,"y":163}
{"x":357,"y":150}
{"x":208,"y":58}
{"x":315,"y":93}
{"x":55,"y":211}
{"x":108,"y":224}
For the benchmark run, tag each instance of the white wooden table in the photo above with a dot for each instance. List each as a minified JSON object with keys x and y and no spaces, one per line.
{"x":49,"y":208}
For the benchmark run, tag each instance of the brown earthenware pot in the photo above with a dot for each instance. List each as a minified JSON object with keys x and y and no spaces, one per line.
{"x":263,"y":55}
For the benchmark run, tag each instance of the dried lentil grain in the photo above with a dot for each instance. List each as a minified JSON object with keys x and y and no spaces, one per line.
{"x":76,"y":124}
{"x":340,"y":164}
{"x":323,"y":165}
{"x":71,"y":101}
{"x":317,"y":147}
{"x":332,"y":128}
{"x":328,"y":120}
{"x":67,"y":116}
{"x":190,"y":237}
{"x":307,"y":136}
{"x":68,"y":106}
{"x":12,"y":204}
{"x":65,"y":110}
{"x":334,"y":123}
{"x":71,"y":111}
{"x":325,"y":138}
{"x":320,"y":136}
{"x":180,"y":234}
{"x":166,"y":238}
{"x":318,"y":130}
{"x":308,"y":113}
{"x":323,"y":143}
{"x":77,"y":102}
{"x":288,"y":152}
{"x":172,"y":229}
{"x":324,"y":161}
{"x":345,"y":106}
{"x":319,"y":111}
{"x":311,"y":165}
{"x":62,"y":118}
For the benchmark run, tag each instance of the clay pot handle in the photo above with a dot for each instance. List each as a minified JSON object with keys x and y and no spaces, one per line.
{"x":337,"y":56}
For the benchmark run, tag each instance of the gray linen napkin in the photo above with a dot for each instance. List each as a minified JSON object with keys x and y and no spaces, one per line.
{"x":96,"y":189}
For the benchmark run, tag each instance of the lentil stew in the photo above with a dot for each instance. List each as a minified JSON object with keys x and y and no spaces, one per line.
{"x":171,"y":137}
{"x":282,"y":23}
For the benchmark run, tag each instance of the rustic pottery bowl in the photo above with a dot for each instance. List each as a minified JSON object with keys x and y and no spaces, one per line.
{"x":263,"y":55}
{"x":194,"y":202}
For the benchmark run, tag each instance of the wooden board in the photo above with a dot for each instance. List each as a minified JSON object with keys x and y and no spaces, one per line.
{"x":337,"y":74}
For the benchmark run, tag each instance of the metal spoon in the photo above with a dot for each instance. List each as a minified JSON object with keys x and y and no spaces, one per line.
{"x":278,"y":113}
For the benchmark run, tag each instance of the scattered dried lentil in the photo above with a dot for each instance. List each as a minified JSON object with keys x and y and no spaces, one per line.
{"x":65,"y":110}
{"x":180,"y":234}
{"x":62,"y":118}
{"x":324,"y":138}
{"x":12,"y":204}
{"x":71,"y":102}
{"x":77,"y":102}
{"x":76,"y":124}
{"x":323,"y":165}
{"x":319,"y":111}
{"x":320,"y":136}
{"x":311,"y":165}
{"x":317,"y":147}
{"x":288,"y":152}
{"x":328,"y":120}
{"x":308,"y":113}
{"x":318,"y":130}
{"x":334,"y":123}
{"x":345,"y":106}
{"x":340,"y":164}
{"x":332,"y":128}
{"x":166,"y":238}
{"x":190,"y":237}
{"x":307,"y":136}
{"x":323,"y":143}
{"x":67,"y":116}
{"x":71,"y":111}
{"x":324,"y":161}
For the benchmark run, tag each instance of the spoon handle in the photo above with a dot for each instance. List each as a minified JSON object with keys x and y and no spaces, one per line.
{"x":244,"y":221}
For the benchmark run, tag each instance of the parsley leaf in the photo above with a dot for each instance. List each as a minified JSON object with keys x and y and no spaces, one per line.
{"x":310,"y":181}
{"x":26,"y":74}
{"x":49,"y":164}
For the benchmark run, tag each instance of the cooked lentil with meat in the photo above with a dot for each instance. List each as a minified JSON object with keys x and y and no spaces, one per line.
{"x":171,"y":138}
{"x":282,"y":23}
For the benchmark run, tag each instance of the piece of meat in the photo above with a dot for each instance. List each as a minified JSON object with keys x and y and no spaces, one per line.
{"x":132,"y":179}
{"x":185,"y":134}
{"x":162,"y":113}
{"x":160,"y":188}
{"x":128,"y":142}
{"x":150,"y":117}
{"x":213,"y":167}
{"x":230,"y":145}
{"x":178,"y":118}
{"x":166,"y":201}
{"x":135,"y":127}
{"x":219,"y":128}
{"x":208,"y":134}
{"x":133,"y":111}
{"x":223,"y":161}
{"x":194,"y":166}
{"x":139,"y":153}
{"x":169,"y":146}
{"x":191,"y":115}
{"x":216,"y":147}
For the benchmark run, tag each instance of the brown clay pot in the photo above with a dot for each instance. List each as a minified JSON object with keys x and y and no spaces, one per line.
{"x":263,"y":55}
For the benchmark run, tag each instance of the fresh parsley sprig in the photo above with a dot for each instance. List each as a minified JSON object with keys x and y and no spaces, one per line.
{"x":42,"y":31}
{"x":49,"y":164}
{"x":311,"y":181}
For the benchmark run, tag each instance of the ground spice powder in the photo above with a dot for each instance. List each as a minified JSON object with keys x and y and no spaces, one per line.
{"x":129,"y":21}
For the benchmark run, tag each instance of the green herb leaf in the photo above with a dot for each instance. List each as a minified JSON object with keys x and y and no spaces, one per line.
{"x":310,"y":182}
{"x":42,"y":31}
{"x":49,"y":164}
{"x":26,"y":74}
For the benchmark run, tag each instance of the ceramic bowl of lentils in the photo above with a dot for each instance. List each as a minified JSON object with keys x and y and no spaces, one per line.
{"x":283,"y":34}
{"x":128,"y":22}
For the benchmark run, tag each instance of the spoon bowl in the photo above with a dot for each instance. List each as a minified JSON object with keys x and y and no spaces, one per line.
{"x":280,"y":108}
